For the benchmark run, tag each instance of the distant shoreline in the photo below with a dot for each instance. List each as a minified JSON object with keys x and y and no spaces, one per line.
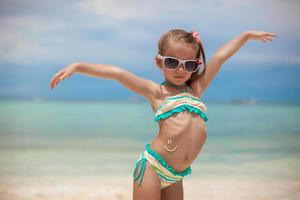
{"x":237,"y":102}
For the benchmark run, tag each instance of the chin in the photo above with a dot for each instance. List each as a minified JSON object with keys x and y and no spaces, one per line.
{"x":179,"y":82}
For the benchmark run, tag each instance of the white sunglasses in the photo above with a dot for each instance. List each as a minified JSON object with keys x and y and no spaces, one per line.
{"x":172,"y":63}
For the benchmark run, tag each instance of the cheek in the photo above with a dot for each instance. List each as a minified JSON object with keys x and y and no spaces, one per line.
{"x":167,"y":72}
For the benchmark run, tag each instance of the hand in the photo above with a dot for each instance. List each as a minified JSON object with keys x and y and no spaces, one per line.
{"x":62,"y":74}
{"x":260,"y":35}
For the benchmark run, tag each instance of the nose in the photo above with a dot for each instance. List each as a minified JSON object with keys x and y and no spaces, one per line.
{"x":181,"y":67}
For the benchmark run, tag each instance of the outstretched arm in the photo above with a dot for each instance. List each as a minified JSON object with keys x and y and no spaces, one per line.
{"x":144,"y":87}
{"x":200,"y":83}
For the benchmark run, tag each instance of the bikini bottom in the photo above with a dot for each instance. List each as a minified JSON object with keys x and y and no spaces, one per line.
{"x":166,"y":174}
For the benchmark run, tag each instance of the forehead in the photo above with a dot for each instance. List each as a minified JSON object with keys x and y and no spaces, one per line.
{"x":180,"y":50}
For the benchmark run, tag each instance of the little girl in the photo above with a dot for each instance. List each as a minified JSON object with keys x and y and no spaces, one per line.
{"x":176,"y":104}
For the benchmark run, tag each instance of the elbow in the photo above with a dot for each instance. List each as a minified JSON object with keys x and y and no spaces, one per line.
{"x":118,"y":73}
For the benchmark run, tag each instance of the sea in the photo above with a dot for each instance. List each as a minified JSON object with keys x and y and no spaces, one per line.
{"x":100,"y":138}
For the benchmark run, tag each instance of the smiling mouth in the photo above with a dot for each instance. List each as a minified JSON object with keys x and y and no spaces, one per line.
{"x":179,"y":76}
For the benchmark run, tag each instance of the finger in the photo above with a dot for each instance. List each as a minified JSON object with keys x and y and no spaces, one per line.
{"x":55,"y":76}
{"x":56,"y":83}
{"x":56,"y":79}
{"x":272,"y":34}
{"x":53,"y":82}
{"x":61,"y":71}
{"x":58,"y":73}
{"x":264,"y":40}
{"x":259,"y":39}
{"x":269,"y":38}
{"x":62,"y":77}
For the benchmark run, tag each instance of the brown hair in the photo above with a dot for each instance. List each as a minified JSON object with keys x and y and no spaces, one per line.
{"x":187,"y":37}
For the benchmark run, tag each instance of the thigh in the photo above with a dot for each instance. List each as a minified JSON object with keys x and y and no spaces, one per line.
{"x":173,"y":192}
{"x":149,"y":189}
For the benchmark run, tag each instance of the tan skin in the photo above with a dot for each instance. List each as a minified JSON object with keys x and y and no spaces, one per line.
{"x":187,"y":130}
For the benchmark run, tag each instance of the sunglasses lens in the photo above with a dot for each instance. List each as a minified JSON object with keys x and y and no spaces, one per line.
{"x":171,"y":63}
{"x":191,"y":66}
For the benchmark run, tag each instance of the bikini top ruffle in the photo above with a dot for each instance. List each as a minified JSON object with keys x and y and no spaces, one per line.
{"x":179,"y":103}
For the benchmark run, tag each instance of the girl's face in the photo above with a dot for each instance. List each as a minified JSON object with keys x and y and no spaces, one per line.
{"x":179,"y":50}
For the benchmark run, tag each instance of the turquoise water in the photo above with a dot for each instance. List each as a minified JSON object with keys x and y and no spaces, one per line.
{"x":93,"y":138}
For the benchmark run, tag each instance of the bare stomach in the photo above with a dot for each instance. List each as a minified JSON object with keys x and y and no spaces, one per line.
{"x":180,"y":139}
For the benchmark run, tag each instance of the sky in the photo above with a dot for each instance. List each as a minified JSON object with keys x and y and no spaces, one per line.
{"x":38,"y":38}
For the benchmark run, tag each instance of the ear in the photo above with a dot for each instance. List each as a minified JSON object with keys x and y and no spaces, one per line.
{"x":158,"y":62}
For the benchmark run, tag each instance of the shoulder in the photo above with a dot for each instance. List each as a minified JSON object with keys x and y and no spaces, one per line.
{"x":196,"y":88}
{"x":155,"y":96}
{"x":154,"y":90}
{"x":145,"y":87}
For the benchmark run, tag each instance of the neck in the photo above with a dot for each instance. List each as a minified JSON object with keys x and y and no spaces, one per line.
{"x":181,"y":88}
{"x":170,"y":83}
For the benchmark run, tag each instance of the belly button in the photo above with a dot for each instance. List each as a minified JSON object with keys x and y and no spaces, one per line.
{"x":186,"y":158}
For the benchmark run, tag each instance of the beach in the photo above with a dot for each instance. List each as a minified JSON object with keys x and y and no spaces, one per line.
{"x":116,"y":188}
{"x":75,"y":151}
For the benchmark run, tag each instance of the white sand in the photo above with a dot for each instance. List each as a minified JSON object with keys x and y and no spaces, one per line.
{"x":113,"y":188}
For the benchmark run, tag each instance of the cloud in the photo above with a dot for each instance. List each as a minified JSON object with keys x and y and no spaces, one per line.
{"x":37,"y":37}
{"x":31,"y":40}
{"x":120,"y":10}
{"x":267,"y":59}
{"x":24,"y":39}
{"x":98,"y":30}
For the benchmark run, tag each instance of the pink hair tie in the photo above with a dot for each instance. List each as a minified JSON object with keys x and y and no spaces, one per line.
{"x":196,"y":36}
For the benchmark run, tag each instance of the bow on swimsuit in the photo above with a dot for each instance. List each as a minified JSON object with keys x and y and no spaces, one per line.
{"x":171,"y":105}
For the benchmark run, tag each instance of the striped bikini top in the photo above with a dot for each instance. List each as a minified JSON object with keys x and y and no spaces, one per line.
{"x":179,"y":103}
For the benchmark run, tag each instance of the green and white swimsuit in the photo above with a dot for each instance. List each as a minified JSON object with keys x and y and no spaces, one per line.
{"x":171,"y":105}
{"x":179,"y":103}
